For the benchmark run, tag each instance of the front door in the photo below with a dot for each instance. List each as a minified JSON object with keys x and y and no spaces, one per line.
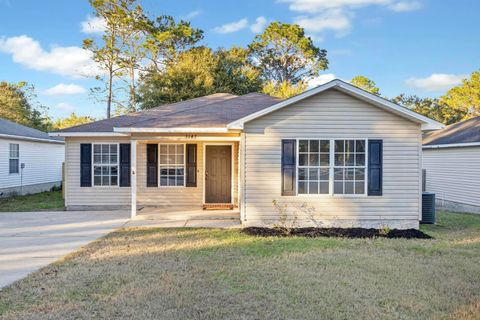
{"x":218,"y":174}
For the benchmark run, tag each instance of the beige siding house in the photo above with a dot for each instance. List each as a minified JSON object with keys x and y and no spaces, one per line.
{"x":332,"y":156}
{"x":451,"y":160}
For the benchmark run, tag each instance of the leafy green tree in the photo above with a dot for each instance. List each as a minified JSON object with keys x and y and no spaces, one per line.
{"x":197,"y":72}
{"x":284,"y":89}
{"x":18,"y":104}
{"x":166,"y":39}
{"x":366,"y":84}
{"x":233,"y":72}
{"x":285,"y":54}
{"x":466,"y":97}
{"x":431,"y":107}
{"x":71,"y":121}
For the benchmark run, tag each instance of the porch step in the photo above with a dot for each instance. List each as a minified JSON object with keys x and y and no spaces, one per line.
{"x":218,"y":206}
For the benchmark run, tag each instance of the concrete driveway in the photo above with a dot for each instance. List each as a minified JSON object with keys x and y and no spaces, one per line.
{"x":31,"y":240}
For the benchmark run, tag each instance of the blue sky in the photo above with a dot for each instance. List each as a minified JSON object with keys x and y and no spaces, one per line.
{"x":419,"y":47}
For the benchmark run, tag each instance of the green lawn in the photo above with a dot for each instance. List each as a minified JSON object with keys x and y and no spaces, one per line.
{"x":51,"y":200}
{"x":224,"y":274}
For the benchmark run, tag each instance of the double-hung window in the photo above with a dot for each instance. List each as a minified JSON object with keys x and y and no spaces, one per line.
{"x":313,"y":166}
{"x":172,"y":165}
{"x":14,"y":158}
{"x":105,"y":164}
{"x":325,"y":164}
{"x":349,"y":167}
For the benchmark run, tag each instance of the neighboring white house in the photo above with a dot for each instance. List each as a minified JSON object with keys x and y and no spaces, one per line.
{"x":30,"y":160}
{"x":451,"y":158}
{"x":351,"y":155}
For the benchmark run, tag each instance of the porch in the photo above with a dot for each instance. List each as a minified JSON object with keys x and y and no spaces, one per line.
{"x":176,"y":177}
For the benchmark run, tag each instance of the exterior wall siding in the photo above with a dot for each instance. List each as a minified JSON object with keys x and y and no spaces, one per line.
{"x":78,"y":197}
{"x":330,"y":115}
{"x":453,"y":174}
{"x":179,"y":196}
{"x":43,"y":163}
{"x":112,"y":197}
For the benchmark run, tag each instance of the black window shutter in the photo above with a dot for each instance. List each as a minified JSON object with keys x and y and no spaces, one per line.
{"x":191,"y":169}
{"x":375,"y":164}
{"x":125,"y":165}
{"x":152,"y":165}
{"x":85,"y":165}
{"x":289,"y":168}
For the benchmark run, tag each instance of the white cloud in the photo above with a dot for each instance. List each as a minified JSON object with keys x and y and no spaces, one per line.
{"x":64,"y":106}
{"x":93,"y":25}
{"x":404,"y":6}
{"x":192,"y":14}
{"x":64,"y":89}
{"x":259,"y":25}
{"x":436,"y":82}
{"x":337,"y":15}
{"x":335,"y":20}
{"x":67,"y":61}
{"x":321,"y":79}
{"x":232,"y":27}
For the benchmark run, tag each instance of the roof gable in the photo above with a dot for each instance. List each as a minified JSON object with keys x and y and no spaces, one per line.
{"x":427,"y":123}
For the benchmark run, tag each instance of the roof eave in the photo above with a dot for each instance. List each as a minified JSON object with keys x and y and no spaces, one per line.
{"x":87,"y":134}
{"x":173,"y":130}
{"x":11,"y":136}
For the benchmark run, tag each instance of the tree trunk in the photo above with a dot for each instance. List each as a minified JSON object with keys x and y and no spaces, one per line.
{"x":133,"y":103}
{"x":109,"y":93}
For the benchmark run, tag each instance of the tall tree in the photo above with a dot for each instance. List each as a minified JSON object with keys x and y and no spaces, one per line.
{"x":465,"y":97}
{"x":18,"y":104}
{"x":106,"y":50}
{"x":285,"y":54}
{"x":366,"y":84}
{"x":431,"y":107}
{"x":132,"y":34}
{"x":166,"y":39}
{"x":197,"y":72}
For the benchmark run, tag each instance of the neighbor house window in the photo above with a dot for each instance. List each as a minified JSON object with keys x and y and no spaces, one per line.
{"x":14,"y":158}
{"x":349,"y":167}
{"x":172,"y":165}
{"x":313,"y":166}
{"x":105,"y":164}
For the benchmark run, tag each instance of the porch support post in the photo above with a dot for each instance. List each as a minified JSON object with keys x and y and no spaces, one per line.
{"x":133,"y":180}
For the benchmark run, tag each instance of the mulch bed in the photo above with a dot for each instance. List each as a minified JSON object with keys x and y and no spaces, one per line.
{"x":336,"y":232}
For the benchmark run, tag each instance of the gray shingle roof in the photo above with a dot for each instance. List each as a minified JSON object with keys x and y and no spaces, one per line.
{"x":22,"y":132}
{"x":216,"y":110}
{"x":462,"y":132}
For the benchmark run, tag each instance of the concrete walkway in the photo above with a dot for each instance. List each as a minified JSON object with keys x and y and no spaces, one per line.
{"x":32,"y":240}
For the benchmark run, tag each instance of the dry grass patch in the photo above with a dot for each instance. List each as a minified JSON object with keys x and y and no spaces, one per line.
{"x":224,"y":274}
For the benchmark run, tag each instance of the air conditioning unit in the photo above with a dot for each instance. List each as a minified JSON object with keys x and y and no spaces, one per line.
{"x":428,"y":207}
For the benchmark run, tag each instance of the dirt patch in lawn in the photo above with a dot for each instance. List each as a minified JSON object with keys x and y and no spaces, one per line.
{"x":336,"y":232}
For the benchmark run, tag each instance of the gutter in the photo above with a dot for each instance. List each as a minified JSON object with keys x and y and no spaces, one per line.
{"x":452,"y":145}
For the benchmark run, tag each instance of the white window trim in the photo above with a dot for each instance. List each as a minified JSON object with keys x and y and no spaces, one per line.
{"x":331,"y":170}
{"x":184,"y":166}
{"x":10,"y":158}
{"x":118,"y":165}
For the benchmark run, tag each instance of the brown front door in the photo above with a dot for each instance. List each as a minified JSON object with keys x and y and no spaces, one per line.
{"x":218,"y":174}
